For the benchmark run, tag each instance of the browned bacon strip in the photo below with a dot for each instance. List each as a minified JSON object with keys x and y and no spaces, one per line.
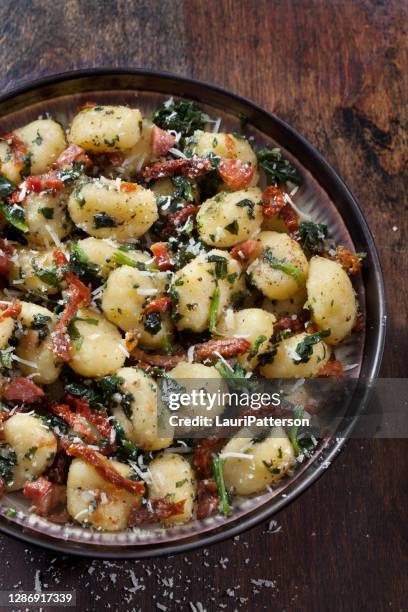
{"x":166,"y":362}
{"x":161,"y":141}
{"x":47,"y":497}
{"x":23,"y":390}
{"x":244,"y":251}
{"x":207,"y":497}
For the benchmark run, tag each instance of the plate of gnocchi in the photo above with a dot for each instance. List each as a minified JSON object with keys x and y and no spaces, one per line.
{"x":155,"y":228}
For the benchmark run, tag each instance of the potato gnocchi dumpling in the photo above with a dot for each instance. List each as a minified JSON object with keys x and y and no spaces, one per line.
{"x":225,"y":146}
{"x":45,"y":141}
{"x":34,"y":270}
{"x":287,"y":362}
{"x":254,"y":325}
{"x":31,"y":149}
{"x":93,"y":500}
{"x":331,"y":298}
{"x":106,"y":128}
{"x":268,"y":461}
{"x":46,"y":218}
{"x":229,"y":218}
{"x":281,"y":268}
{"x":124,"y":299}
{"x":172,"y":478}
{"x":107,"y":254}
{"x":98,"y":349}
{"x":107,"y":209}
{"x":144,"y":256}
{"x":34,"y":445}
{"x":34,"y":347}
{"x":193,"y":288}
{"x":143,"y":414}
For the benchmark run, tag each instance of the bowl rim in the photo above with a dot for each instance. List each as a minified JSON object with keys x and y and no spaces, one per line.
{"x":377,"y":332}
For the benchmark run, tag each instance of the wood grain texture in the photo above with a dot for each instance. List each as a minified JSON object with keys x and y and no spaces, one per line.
{"x":336,"y":70}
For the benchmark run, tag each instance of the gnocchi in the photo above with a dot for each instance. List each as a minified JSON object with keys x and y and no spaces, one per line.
{"x":34,"y":447}
{"x":229,"y":218}
{"x":106,"y":209}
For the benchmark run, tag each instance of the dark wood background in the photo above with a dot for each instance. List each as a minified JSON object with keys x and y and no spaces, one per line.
{"x":337,"y":71}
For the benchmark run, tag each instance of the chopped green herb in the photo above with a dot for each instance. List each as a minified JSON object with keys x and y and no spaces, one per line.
{"x":222,"y":491}
{"x":257,"y":344}
{"x":298,"y":413}
{"x":312,"y":236}
{"x":38,"y":139}
{"x":233,"y":228}
{"x":47,"y":212}
{"x":221,"y":265}
{"x":152,"y":323}
{"x":181,"y":116}
{"x":249,"y":205}
{"x":103,"y":220}
{"x":278,"y":170}
{"x":236,"y":371}
{"x":14,"y":213}
{"x":167,"y":347}
{"x":41,"y":324}
{"x":215,"y":300}
{"x":304,"y":349}
{"x":8,"y":459}
{"x":6,"y":187}
{"x":31,"y":452}
{"x":180,"y":483}
{"x":284,"y":266}
{"x":183,"y":188}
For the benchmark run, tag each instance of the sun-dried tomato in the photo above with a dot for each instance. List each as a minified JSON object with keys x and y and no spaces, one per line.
{"x":105,"y":468}
{"x":273,"y":201}
{"x":159,"y":510}
{"x":47,"y":497}
{"x":10,"y":310}
{"x":40,"y":182}
{"x":350,"y":262}
{"x":162,"y":256}
{"x":192,"y":167}
{"x":235,"y":173}
{"x":78,"y":294}
{"x":332,"y":368}
{"x":18,"y":148}
{"x":227,"y":347}
{"x":162,"y":305}
{"x":203,"y":452}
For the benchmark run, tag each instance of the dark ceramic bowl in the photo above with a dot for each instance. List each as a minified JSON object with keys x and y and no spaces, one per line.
{"x":323,"y":195}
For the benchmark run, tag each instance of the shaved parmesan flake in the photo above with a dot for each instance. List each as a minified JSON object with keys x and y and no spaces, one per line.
{"x":235,"y":456}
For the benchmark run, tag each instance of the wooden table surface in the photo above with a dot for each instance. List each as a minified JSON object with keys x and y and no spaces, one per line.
{"x":335,"y":70}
